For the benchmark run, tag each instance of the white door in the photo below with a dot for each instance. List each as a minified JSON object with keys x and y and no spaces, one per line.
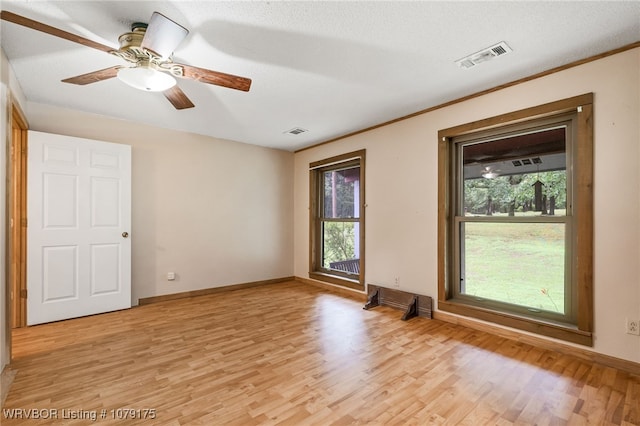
{"x":79,"y":220}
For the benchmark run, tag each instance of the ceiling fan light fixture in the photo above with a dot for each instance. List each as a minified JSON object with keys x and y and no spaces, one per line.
{"x":146,"y":78}
{"x":163,"y":35}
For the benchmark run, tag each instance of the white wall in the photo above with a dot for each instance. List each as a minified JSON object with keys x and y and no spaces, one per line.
{"x":401,"y":189}
{"x":214,"y":212}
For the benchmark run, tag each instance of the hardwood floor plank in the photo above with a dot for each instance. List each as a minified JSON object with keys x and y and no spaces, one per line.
{"x":252,"y":357}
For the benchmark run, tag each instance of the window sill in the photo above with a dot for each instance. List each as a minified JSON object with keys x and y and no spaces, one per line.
{"x":338,"y":280}
{"x":558,"y":331}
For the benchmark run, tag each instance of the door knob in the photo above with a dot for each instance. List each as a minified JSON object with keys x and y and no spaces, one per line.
{"x":125,"y":234}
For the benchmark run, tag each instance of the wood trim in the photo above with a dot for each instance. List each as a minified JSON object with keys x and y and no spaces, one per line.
{"x":337,"y":280}
{"x":539,"y":342}
{"x":526,"y":114}
{"x":14,"y":225}
{"x":18,"y":114}
{"x":16,"y":207}
{"x":584,"y":208}
{"x":363,"y":214}
{"x":481,"y":93}
{"x":314,"y":230}
{"x":212,"y":290}
{"x":343,"y":291}
{"x":525,"y":324}
{"x":583,"y":211}
{"x":359,"y":158}
{"x":18,"y":215}
{"x":342,"y":158}
{"x":443,"y":213}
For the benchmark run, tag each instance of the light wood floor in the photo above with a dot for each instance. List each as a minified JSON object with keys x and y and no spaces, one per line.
{"x":296,"y":355}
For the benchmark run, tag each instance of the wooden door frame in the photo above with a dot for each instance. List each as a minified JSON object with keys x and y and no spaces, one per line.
{"x":17,"y":219}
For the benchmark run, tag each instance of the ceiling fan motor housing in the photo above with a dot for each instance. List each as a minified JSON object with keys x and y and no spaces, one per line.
{"x":133,"y":39}
{"x":131,"y":51}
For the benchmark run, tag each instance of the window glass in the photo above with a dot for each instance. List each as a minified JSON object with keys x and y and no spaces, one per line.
{"x":337,"y":220}
{"x":522,"y":175}
{"x":340,"y":193}
{"x":513,"y":236}
{"x":341,"y":249}
{"x":516,"y":263}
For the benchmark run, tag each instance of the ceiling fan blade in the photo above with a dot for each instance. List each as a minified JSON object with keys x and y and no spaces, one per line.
{"x":163,"y":35}
{"x":214,"y":77}
{"x":177,"y":97}
{"x":39,"y":26}
{"x":93,"y":77}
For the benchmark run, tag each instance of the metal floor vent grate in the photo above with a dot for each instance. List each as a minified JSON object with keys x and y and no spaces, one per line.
{"x":484,"y":55}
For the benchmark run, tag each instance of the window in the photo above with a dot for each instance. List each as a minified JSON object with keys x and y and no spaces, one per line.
{"x":337,"y":220}
{"x":516,"y":245}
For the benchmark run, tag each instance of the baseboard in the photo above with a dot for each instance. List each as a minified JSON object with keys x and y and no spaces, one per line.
{"x":212,"y":290}
{"x":345,"y":291}
{"x":606,"y":360}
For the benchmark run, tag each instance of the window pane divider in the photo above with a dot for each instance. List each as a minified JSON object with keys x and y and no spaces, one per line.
{"x":346,"y":219}
{"x":522,"y":219}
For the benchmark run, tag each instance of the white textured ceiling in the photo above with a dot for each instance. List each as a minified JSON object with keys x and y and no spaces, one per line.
{"x":329,"y":67}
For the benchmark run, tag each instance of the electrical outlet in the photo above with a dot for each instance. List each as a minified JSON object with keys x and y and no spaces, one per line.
{"x":633,"y":326}
{"x":396,"y":282}
{"x":171,"y":276}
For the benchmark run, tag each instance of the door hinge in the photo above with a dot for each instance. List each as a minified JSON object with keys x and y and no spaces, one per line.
{"x":24,"y":222}
{"x":23,"y":294}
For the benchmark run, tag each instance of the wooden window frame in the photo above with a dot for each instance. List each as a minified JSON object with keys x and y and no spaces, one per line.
{"x":315,"y":222}
{"x":581,"y":331}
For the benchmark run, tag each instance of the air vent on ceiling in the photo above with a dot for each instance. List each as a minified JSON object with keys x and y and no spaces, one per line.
{"x":296,"y":131}
{"x":484,"y":55}
{"x":527,"y":161}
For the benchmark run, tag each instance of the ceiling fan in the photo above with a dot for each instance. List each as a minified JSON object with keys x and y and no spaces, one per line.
{"x":148,"y":48}
{"x":489,"y":172}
